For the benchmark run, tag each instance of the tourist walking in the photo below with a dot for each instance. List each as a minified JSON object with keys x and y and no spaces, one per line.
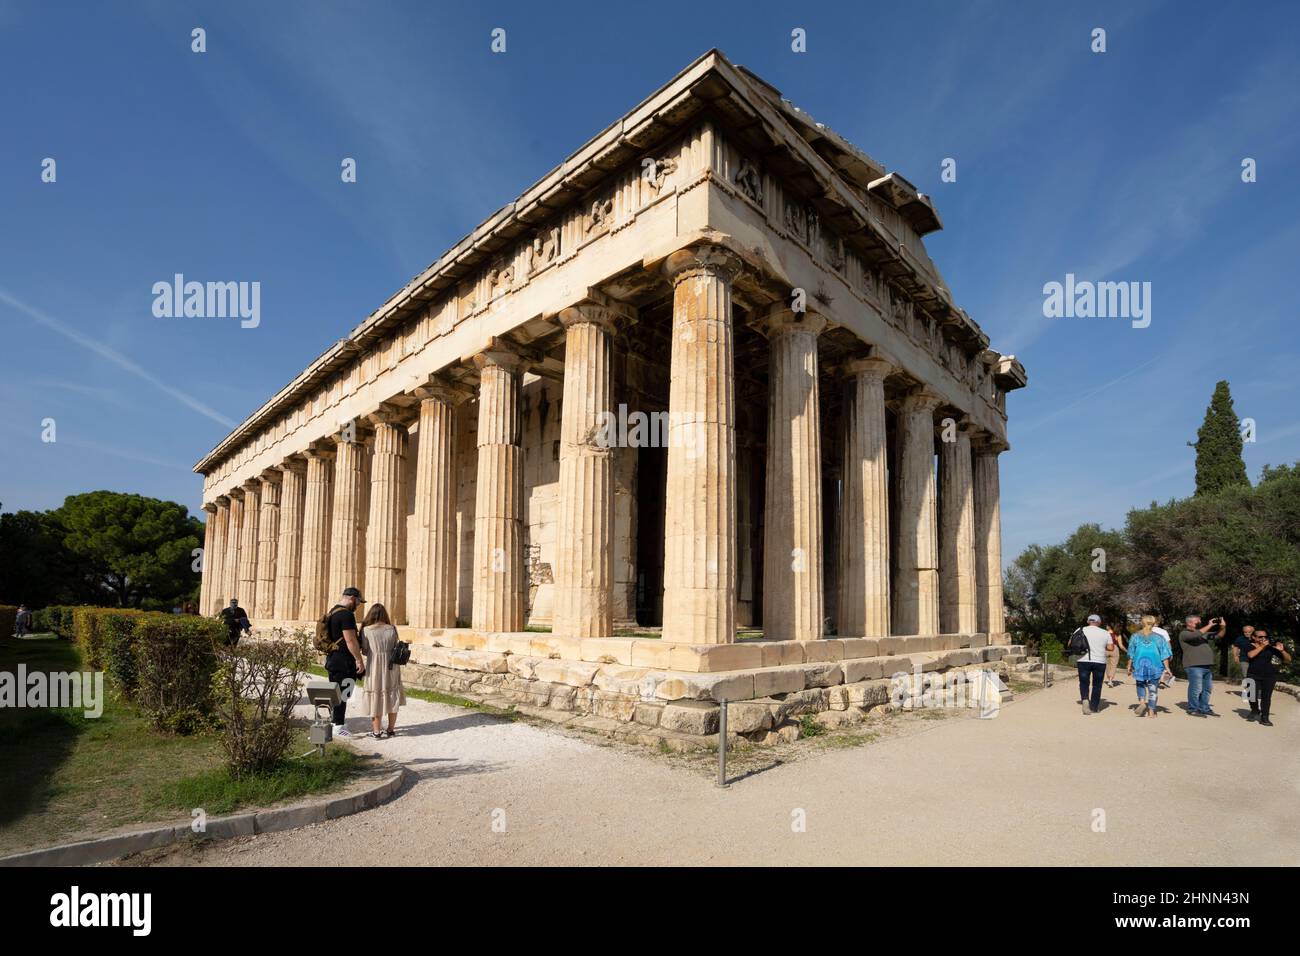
{"x":1197,"y":645}
{"x":1262,"y":673}
{"x":22,"y":621}
{"x":236,"y":620}
{"x":344,"y":662}
{"x":383,"y":684}
{"x":1094,"y":641}
{"x":1148,"y":662}
{"x":1242,"y":645}
{"x":1113,"y":652}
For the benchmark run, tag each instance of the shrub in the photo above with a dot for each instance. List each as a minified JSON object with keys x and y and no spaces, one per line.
{"x":1052,"y":650}
{"x":175,"y":658}
{"x":117,"y":639}
{"x":8,"y":620}
{"x":255,"y":689}
{"x":85,"y":632}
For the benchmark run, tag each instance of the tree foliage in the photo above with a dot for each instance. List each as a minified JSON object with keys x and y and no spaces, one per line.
{"x":101,"y":547}
{"x":1219,"y":465}
{"x":1235,"y":554}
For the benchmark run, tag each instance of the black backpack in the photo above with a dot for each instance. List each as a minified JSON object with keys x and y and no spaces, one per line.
{"x":1078,"y":645}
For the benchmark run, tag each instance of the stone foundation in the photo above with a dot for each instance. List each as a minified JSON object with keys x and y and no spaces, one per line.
{"x":664,"y":694}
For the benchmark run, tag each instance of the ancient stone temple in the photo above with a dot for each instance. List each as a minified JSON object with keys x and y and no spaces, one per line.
{"x":693,"y":418}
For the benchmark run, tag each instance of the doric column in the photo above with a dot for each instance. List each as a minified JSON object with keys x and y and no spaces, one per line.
{"x":385,"y":531}
{"x":268,"y":539}
{"x":234,"y":537}
{"x":215,"y":558}
{"x":988,"y":539}
{"x":205,"y":567}
{"x":584,"y":550}
{"x":431,"y":579}
{"x":314,"y":596}
{"x":864,"y":532}
{"x":700,"y":510}
{"x":916,"y":593}
{"x":499,"y":579}
{"x":288,"y":548}
{"x":956,"y":531}
{"x":248,"y":545}
{"x":351,"y":503}
{"x":793,"y":598}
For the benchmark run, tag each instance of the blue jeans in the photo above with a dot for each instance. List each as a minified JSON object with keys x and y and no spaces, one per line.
{"x":1093,"y":673}
{"x":1200,"y":680}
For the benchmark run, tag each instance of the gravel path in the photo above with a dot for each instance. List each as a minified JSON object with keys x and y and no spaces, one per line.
{"x":1023,"y":788}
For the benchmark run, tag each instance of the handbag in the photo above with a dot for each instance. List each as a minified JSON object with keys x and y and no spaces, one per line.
{"x":400,"y":654}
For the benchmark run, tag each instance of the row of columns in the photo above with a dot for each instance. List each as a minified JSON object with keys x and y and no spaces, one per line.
{"x":290,"y":541}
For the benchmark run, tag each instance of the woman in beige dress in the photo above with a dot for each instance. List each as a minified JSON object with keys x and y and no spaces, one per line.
{"x":383,"y":684}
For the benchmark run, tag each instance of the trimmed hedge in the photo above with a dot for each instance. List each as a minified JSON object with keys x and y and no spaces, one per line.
{"x":8,"y":620}
{"x":175,"y":658}
{"x":116,"y":632}
{"x":55,"y":619}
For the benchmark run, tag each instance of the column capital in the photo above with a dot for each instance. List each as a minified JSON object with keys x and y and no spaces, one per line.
{"x":921,"y":399}
{"x":388,"y":414}
{"x":272,"y":475}
{"x":221,"y":501}
{"x":321,"y":448}
{"x":601,"y":310}
{"x":781,"y":319}
{"x":984,"y":443}
{"x":235,"y":494}
{"x":359,"y":428}
{"x":253,"y":485}
{"x":296,"y":462}
{"x":210,"y":507}
{"x":703,"y":259}
{"x":498,"y":353}
{"x":439,"y":388}
{"x":877,"y":366}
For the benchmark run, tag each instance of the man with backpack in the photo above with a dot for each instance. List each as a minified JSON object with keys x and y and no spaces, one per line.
{"x":336,"y":638}
{"x":1090,"y":643}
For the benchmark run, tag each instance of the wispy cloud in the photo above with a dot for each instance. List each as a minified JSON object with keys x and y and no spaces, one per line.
{"x":114,"y":357}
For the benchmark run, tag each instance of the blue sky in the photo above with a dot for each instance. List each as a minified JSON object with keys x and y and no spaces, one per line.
{"x":1124,"y":165}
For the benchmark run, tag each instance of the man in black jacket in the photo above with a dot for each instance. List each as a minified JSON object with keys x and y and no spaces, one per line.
{"x":236,"y":621}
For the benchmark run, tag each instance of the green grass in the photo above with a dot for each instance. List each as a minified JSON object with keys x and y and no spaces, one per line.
{"x":809,"y":726}
{"x":66,"y":776}
{"x":640,"y":635}
{"x":217,"y":792}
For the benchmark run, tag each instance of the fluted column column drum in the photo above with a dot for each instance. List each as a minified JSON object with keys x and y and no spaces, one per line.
{"x":348,"y":525}
{"x":268,"y":539}
{"x":700,"y":506}
{"x":234,"y":535}
{"x":431,"y":579}
{"x":957,"y":532}
{"x":916,"y":594}
{"x":864,"y":533}
{"x":209,"y":536}
{"x":288,"y":547}
{"x":499,"y":576}
{"x":990,"y":614}
{"x":584,"y":580}
{"x":248,"y":542}
{"x":385,"y":530}
{"x":314,"y":597}
{"x":793,"y":607}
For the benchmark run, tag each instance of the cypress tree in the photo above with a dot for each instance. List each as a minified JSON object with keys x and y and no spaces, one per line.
{"x":1219,"y":464}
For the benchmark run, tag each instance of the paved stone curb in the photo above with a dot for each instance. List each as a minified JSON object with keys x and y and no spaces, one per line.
{"x":1292,"y":689}
{"x":273,"y":820}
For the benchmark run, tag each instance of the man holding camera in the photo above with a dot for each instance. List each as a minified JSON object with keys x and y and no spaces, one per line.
{"x":1263,"y":657}
{"x":1198,"y":660}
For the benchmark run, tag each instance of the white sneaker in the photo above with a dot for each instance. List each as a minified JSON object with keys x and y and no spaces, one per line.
{"x":341,"y":730}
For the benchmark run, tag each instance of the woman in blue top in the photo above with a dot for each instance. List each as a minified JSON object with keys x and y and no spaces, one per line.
{"x":1148,"y":662}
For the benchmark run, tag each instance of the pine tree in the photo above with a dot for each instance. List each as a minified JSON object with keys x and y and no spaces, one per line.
{"x":1219,"y":464}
